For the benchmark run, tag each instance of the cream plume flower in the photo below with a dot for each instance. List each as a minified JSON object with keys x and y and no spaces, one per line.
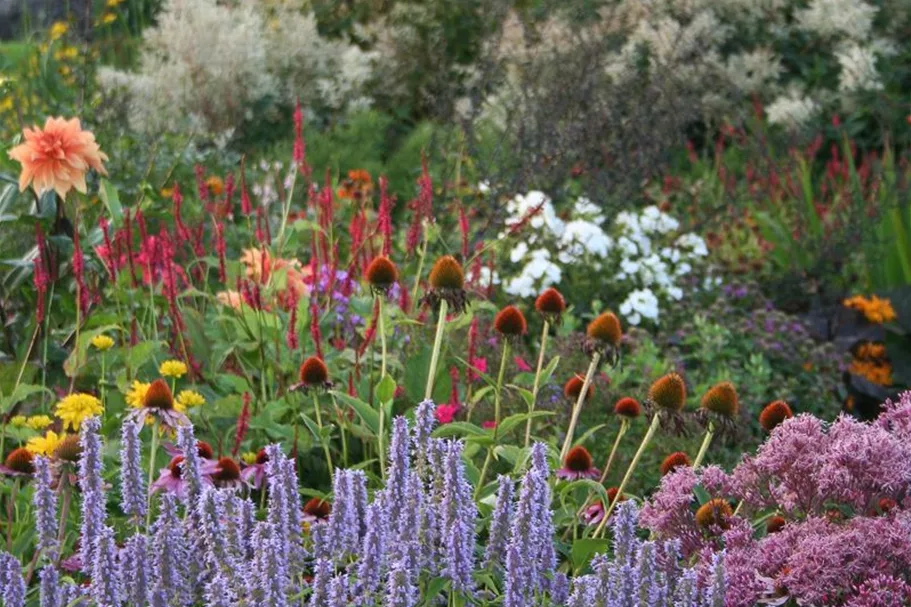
{"x":57,"y":157}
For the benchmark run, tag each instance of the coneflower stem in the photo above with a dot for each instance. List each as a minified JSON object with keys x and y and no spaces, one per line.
{"x":624,"y":426}
{"x":152,"y":453}
{"x":537,"y":384}
{"x":322,"y":439}
{"x":656,"y":420}
{"x":496,"y":416}
{"x":437,"y":344}
{"x":709,"y":433}
{"x":596,"y":358}
{"x":381,"y":327}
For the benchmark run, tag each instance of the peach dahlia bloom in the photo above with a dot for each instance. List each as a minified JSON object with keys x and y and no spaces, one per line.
{"x":57,"y":157}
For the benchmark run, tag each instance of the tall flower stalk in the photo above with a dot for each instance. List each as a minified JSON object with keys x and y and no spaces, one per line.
{"x":447,"y":289}
{"x":550,"y":304}
{"x":718,"y":406}
{"x":381,"y":274}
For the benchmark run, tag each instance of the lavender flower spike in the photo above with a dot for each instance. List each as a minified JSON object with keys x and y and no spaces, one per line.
{"x":132,"y":484}
{"x":424,"y":421}
{"x":190,"y":468}
{"x":458,"y":519}
{"x":398,"y":470}
{"x":106,"y":586}
{"x":373,"y":549}
{"x":338,"y":591}
{"x":499,"y":522}
{"x":134,"y":565}
{"x":49,"y":589}
{"x":12,"y":586}
{"x":169,"y":557}
{"x":344,"y":528}
{"x":400,"y":592}
{"x":45,"y":502}
{"x":90,"y":481}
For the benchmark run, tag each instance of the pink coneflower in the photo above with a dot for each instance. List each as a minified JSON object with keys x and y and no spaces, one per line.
{"x":170,"y":478}
{"x":316,"y":510}
{"x":203,"y":450}
{"x":578,"y":464}
{"x":594,"y":514}
{"x":226,"y":474}
{"x":18,"y":463}
{"x":255,"y":474}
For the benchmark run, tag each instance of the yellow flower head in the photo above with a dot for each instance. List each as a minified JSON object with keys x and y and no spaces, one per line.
{"x":108,"y":18}
{"x":173,"y":368}
{"x":113,"y":3}
{"x":102,"y":342}
{"x":38,"y":422}
{"x":44,"y":445}
{"x":190,"y":398}
{"x":18,"y":421}
{"x":249,"y":458}
{"x":137,"y":394}
{"x":76,"y":408}
{"x":58,"y":29}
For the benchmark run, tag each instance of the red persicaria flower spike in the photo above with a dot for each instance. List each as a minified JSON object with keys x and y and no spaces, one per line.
{"x":578,"y":464}
{"x":473,"y":332}
{"x":291,"y":337}
{"x":551,"y":305}
{"x":628,"y":407}
{"x":158,"y":396}
{"x":573,"y":387}
{"x":314,"y":373}
{"x":221,"y":249}
{"x":382,"y":273}
{"x":668,"y":392}
{"x":714,"y":513}
{"x":775,"y":524}
{"x":721,"y":399}
{"x":19,"y":462}
{"x":246,"y":207}
{"x":384,"y":216}
{"x":510,"y":322}
{"x":106,"y":236}
{"x":243,"y":424}
{"x":774,"y":414}
{"x":673,"y":461}
{"x":201,"y":188}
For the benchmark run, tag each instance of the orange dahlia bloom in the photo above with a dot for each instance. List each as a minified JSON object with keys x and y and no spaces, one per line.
{"x":57,"y":157}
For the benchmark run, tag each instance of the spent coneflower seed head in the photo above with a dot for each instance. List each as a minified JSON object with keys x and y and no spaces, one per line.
{"x":20,"y":461}
{"x":204,"y":449}
{"x":381,"y":273}
{"x":317,"y":508}
{"x":675,"y":460}
{"x":551,"y":305}
{"x":510,"y":322}
{"x":714,"y":512}
{"x":774,"y":414}
{"x":721,"y":399}
{"x":775,"y":524}
{"x":605,"y":329}
{"x":314,"y":373}
{"x":668,"y":392}
{"x":612,"y":495}
{"x":573,"y":387}
{"x":447,"y":273}
{"x":69,"y":449}
{"x":628,"y":407}
{"x":158,"y":396}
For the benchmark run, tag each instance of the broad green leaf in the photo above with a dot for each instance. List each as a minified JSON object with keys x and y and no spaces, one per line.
{"x":108,"y":194}
{"x":459,"y":429}
{"x":519,"y":418}
{"x":364,"y":411}
{"x":21,"y":392}
{"x":385,"y":390}
{"x":585,"y":548}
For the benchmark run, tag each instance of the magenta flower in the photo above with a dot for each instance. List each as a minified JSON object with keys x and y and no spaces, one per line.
{"x":255,"y":473}
{"x":445,"y":414}
{"x":578,"y":464}
{"x":170,"y":478}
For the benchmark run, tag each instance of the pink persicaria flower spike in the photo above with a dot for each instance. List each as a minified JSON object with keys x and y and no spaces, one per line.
{"x":57,"y":157}
{"x":578,"y":464}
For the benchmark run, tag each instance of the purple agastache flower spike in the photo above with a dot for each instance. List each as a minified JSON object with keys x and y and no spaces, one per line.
{"x":338,"y":591}
{"x":45,"y":502}
{"x":133,"y":499}
{"x":373,"y":547}
{"x":278,"y":515}
{"x":514,"y":590}
{"x":190,"y":468}
{"x":585,"y":593}
{"x":344,"y":527}
{"x":687,"y":590}
{"x":106,"y":588}
{"x":397,"y":472}
{"x":270,"y":580}
{"x":715,"y":591}
{"x":169,"y":582}
{"x":134,"y":566}
{"x":543,"y":539}
{"x":72,"y":595}
{"x":295,"y":521}
{"x":219,"y":593}
{"x":49,"y":587}
{"x":458,"y":521}
{"x":359,"y":497}
{"x":624,"y":525}
{"x":321,"y":536}
{"x":524,"y":557}
{"x":211,"y":515}
{"x":424,"y":422}
{"x":322,"y":575}
{"x":90,"y":481}
{"x":400,"y":592}
{"x":559,"y":591}
{"x":12,"y":586}
{"x":499,"y":522}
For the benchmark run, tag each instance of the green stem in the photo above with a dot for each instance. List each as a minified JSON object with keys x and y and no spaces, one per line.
{"x":596,"y":358}
{"x":496,"y":417}
{"x":381,"y":431}
{"x":537,"y":384}
{"x":322,"y":439}
{"x":417,"y":280}
{"x":437,"y":344}
{"x":152,"y":454}
{"x":709,"y":433}
{"x":624,"y":426}
{"x":656,"y":420}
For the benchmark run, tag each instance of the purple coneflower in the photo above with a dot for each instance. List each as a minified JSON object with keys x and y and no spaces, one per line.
{"x":18,"y":463}
{"x":171,"y":479}
{"x":255,"y":474}
{"x":578,"y":464}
